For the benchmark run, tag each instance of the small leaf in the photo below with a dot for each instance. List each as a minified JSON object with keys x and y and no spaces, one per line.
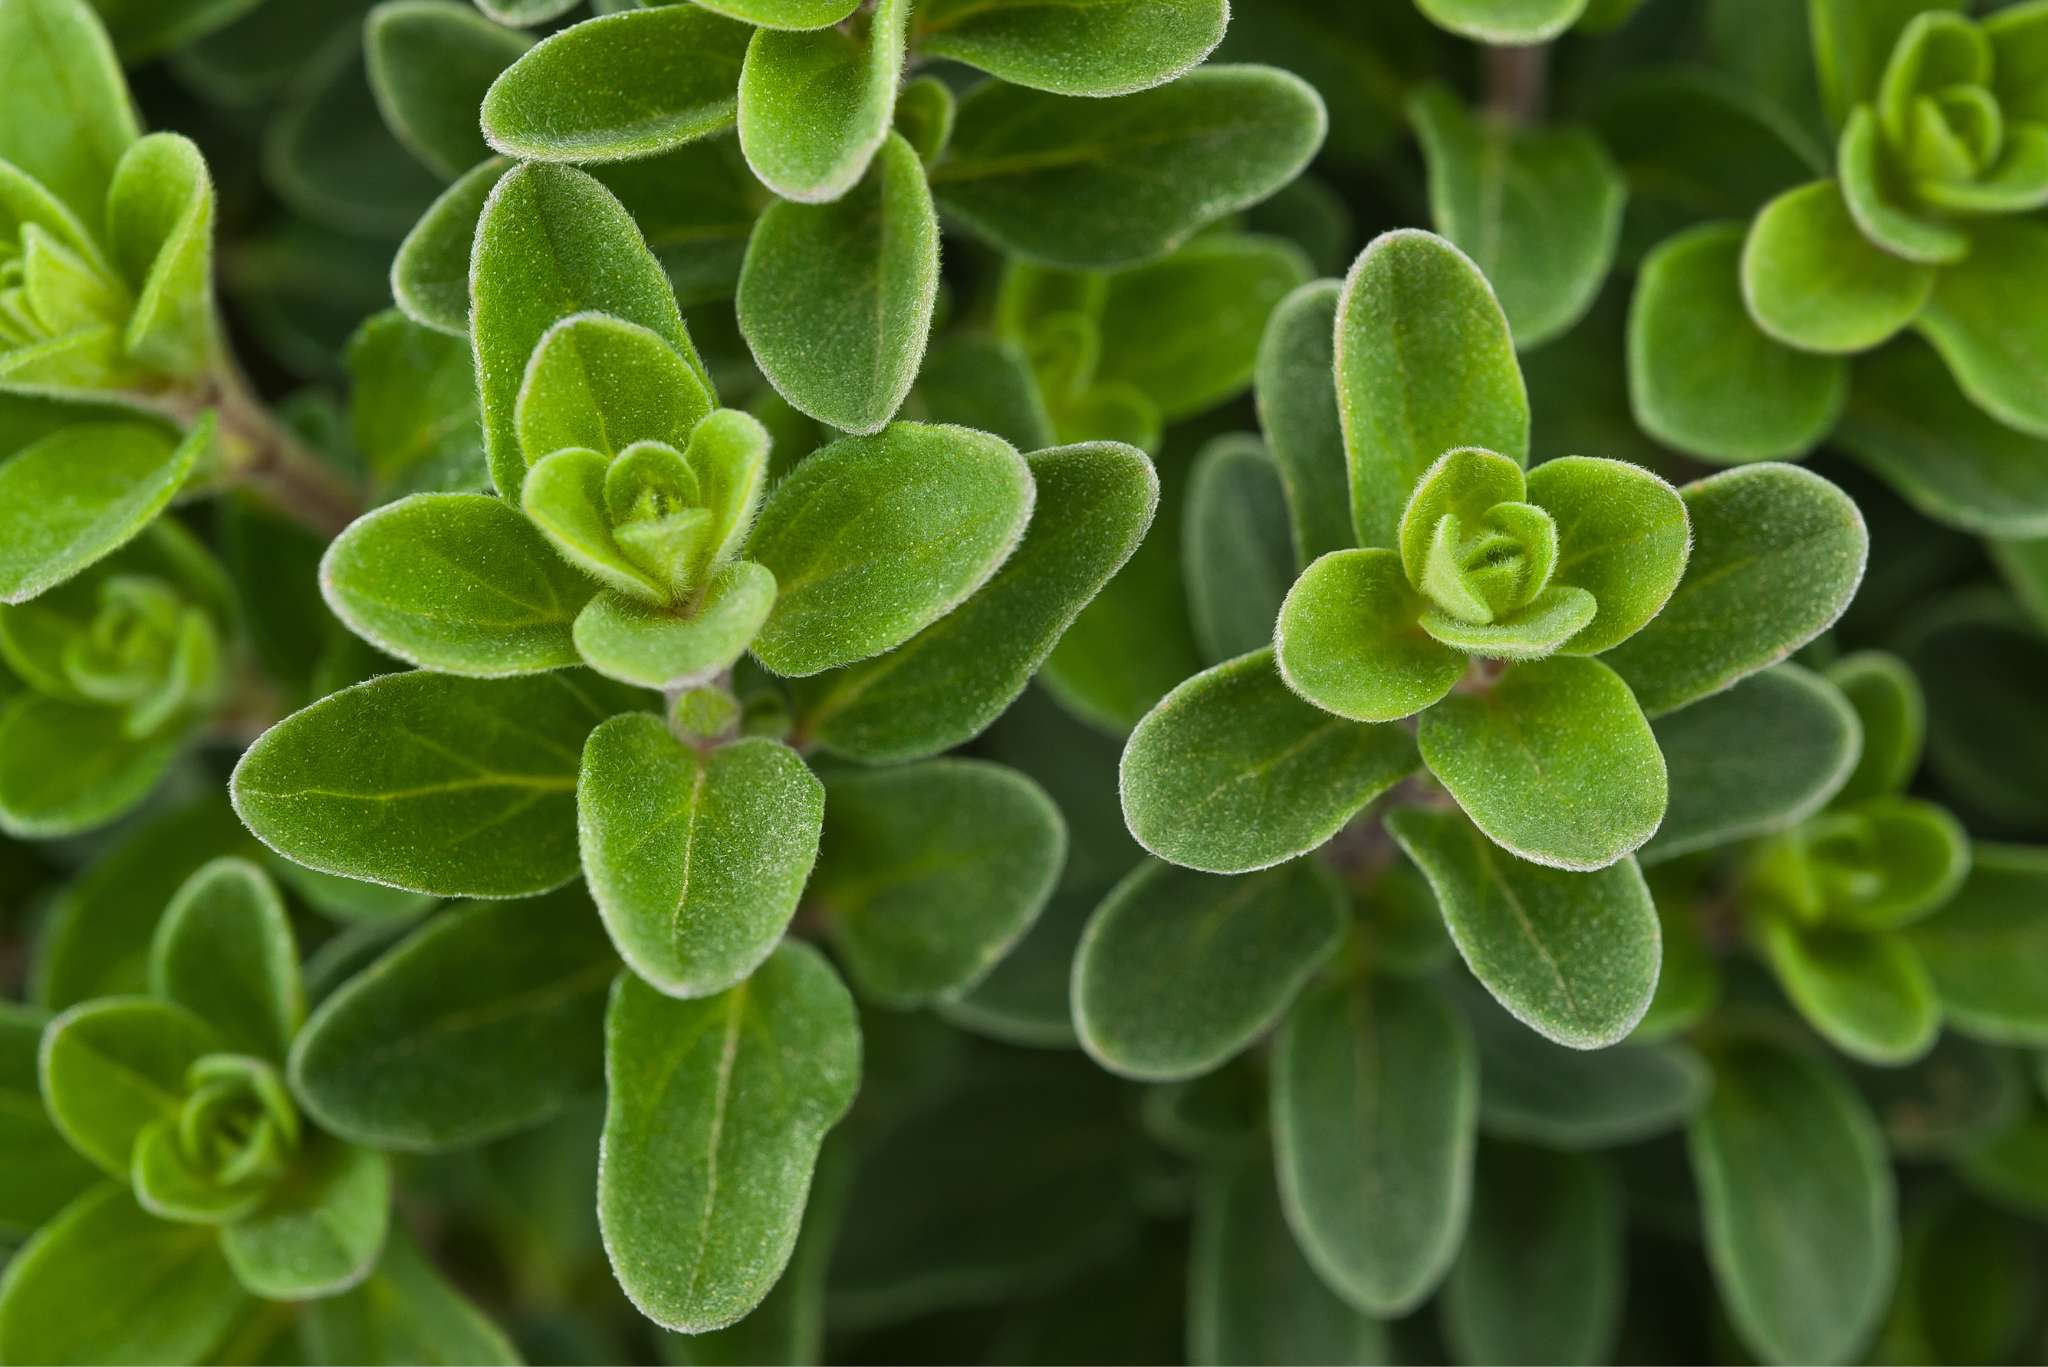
{"x":1997,"y":353}
{"x":1297,"y":396}
{"x":1375,"y":1103}
{"x":1350,"y":642}
{"x":1538,"y":210}
{"x":1797,"y":1202}
{"x":1504,"y":21}
{"x":106,"y":1281}
{"x":1853,"y":40}
{"x":618,"y":86}
{"x":1813,"y":281}
{"x":66,"y":118}
{"x":816,"y":106}
{"x":835,"y":300}
{"x":160,"y":233}
{"x":696,"y":860}
{"x":43,"y":1173}
{"x":414,"y":407}
{"x":1892,"y":717}
{"x":986,"y":383}
{"x":1048,"y":177}
{"x":224,"y":949}
{"x":1235,"y":549}
{"x":1104,"y":49}
{"x":404,"y":1311}
{"x":716,"y":1112}
{"x":946,"y":684}
{"x":1702,"y":377}
{"x":321,"y":1233}
{"x":459,"y":583}
{"x":604,"y":384}
{"x":1179,"y":971}
{"x":66,"y":767}
{"x":875,"y":538}
{"x":1572,"y":955}
{"x":1867,"y":994}
{"x":525,"y":13}
{"x":1984,"y":950}
{"x":483,"y":1022}
{"x":430,"y":274}
{"x":1761,"y":757}
{"x":790,"y":14}
{"x":1232,"y":772}
{"x":455,"y":787}
{"x":1424,"y":364}
{"x":625,"y":639}
{"x":1622,"y":536}
{"x":79,"y":494}
{"x":111,"y":1067}
{"x":1777,"y":554}
{"x":931,"y":872}
{"x":430,"y":64}
{"x":1555,"y":762}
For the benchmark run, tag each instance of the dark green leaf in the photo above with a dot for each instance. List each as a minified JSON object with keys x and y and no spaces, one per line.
{"x":1295,"y":383}
{"x":1113,"y":48}
{"x":430,"y":63}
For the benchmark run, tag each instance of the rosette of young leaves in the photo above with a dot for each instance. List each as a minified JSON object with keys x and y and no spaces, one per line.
{"x":122,"y":664}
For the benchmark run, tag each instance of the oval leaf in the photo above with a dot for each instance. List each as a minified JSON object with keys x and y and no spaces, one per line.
{"x":1103,"y":49}
{"x":82,"y":492}
{"x":224,"y":950}
{"x":816,"y":106}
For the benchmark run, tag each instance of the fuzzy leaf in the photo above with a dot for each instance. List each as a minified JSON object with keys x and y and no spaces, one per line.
{"x":224,"y":950}
{"x":816,"y":106}
{"x":791,"y":14}
{"x":625,"y":639}
{"x":1984,"y":950}
{"x":603,"y":384}
{"x":1892,"y":717}
{"x":43,"y":1172}
{"x":112,"y":1067}
{"x":1297,"y":396}
{"x":1348,"y":640}
{"x":1997,"y":352}
{"x":717,"y":1109}
{"x":1504,"y":21}
{"x":414,"y":408}
{"x":1622,"y":536}
{"x":1812,"y":280}
{"x":80,"y":493}
{"x":66,"y":767}
{"x":430,"y":274}
{"x":321,"y":1233}
{"x":1235,"y":549}
{"x":1232,"y":772}
{"x":1867,"y":994}
{"x":1104,"y":49}
{"x":159,"y":219}
{"x":66,"y":117}
{"x":430,"y":63}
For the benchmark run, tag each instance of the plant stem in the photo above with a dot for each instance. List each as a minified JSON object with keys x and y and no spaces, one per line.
{"x":268,"y":456}
{"x":1517,"y":82}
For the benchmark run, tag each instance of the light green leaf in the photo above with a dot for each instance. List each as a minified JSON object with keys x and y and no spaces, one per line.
{"x":1622,"y":536}
{"x":67,"y":767}
{"x":1555,"y":762}
{"x":1113,"y":48}
{"x":1537,"y":209}
{"x":321,"y":1233}
{"x":1797,"y":1202}
{"x":1984,"y":950}
{"x":111,"y":1067}
{"x":66,"y":118}
{"x":816,"y":106}
{"x":1703,"y":377}
{"x":404,"y":1311}
{"x":1885,"y":213}
{"x":946,"y":684}
{"x":43,"y":1173}
{"x":1853,"y":40}
{"x":224,"y":949}
{"x":716,"y":1113}
{"x":696,"y":859}
{"x":1997,"y":352}
{"x":108,"y":1282}
{"x":1232,"y":772}
{"x":603,"y":384}
{"x":835,"y":300}
{"x":1868,"y":994}
{"x":618,"y":86}
{"x":159,"y":219}
{"x":1761,"y":757}
{"x":430,"y":64}
{"x":1349,"y":640}
{"x":459,"y":583}
{"x":80,"y":493}
{"x":430,"y":273}
{"x":1424,"y":364}
{"x":874,"y":538}
{"x":790,"y":14}
{"x":1812,"y":280}
{"x":525,"y":13}
{"x":931,"y":872}
{"x":1179,"y":971}
{"x":1892,"y":716}
{"x":1777,"y":553}
{"x":1295,"y":384}
{"x":455,"y":787}
{"x":1572,"y":955}
{"x":1087,"y":184}
{"x":625,"y":639}
{"x":1235,"y":547}
{"x":483,"y":1022}
{"x":1504,"y":21}
{"x":1375,"y":1103}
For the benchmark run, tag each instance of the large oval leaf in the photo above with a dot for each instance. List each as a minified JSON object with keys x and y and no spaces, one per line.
{"x":1113,"y":48}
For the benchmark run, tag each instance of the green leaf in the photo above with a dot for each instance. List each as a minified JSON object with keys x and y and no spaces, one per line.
{"x":790,"y":14}
{"x":619,"y":86}
{"x":816,"y":106}
{"x":1375,"y":1103}
{"x":1976,"y":658}
{"x":43,"y":1172}
{"x":77,"y":495}
{"x":455,"y":787}
{"x":1812,"y":280}
{"x":1180,"y":971}
{"x":1892,"y":716}
{"x":1984,"y":950}
{"x":1886,"y":214}
{"x":224,"y":949}
{"x":553,"y":242}
{"x":2007,"y":1167}
{"x":111,"y":1067}
{"x":931,"y":872}
{"x":1555,"y":762}
{"x":696,"y":860}
{"x":603,"y":384}
{"x":625,"y":639}
{"x":459,"y":583}
{"x":1104,"y":49}
{"x":945,"y":685}
{"x":483,"y":1022}
{"x":430,"y":274}
{"x":160,"y":233}
{"x":321,"y":1233}
{"x":1051,"y":178}
{"x":1908,"y":423}
{"x":983,"y":382}
{"x":525,"y":13}
{"x":1761,"y":757}
{"x":874,"y":538}
{"x":717,"y":1109}
{"x":1252,"y":1297}
{"x":1574,"y":956}
{"x":67,"y":767}
{"x":1702,"y":377}
{"x":1537,"y":209}
{"x":1622,"y":536}
{"x":835,"y":300}
{"x":1424,"y":364}
{"x":1868,"y":994}
{"x":1235,"y":547}
{"x":1184,"y":330}
{"x":430,"y":64}
{"x":1349,"y":640}
{"x":330,"y":157}
{"x":1232,"y":772}
{"x":1295,"y":384}
{"x":1777,"y":553}
{"x":1797,"y":1202}
{"x":66,"y":118}
{"x":1504,"y":21}
{"x":1997,"y":353}
{"x":1953,"y":1098}
{"x":414,"y":409}
{"x":1853,"y":40}
{"x":108,"y":1282}
{"x":404,"y":1311}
